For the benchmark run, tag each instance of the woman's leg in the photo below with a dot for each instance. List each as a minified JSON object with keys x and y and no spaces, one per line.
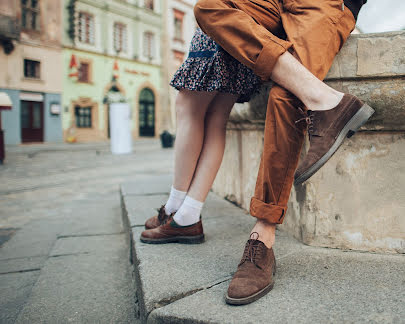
{"x":214,"y":144}
{"x":191,"y":107}
{"x":209,"y":161}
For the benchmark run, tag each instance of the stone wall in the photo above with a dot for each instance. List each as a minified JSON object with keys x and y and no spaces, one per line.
{"x":357,"y":200}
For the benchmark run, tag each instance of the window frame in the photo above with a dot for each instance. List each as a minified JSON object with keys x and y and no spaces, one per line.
{"x":149,"y":45}
{"x":27,"y":10}
{"x":89,"y":117}
{"x":178,"y":16}
{"x":90,"y":28}
{"x":37,"y":69}
{"x":123,"y":37}
{"x":89,"y":70}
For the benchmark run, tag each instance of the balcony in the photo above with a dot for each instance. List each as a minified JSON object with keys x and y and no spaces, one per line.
{"x":9,"y":28}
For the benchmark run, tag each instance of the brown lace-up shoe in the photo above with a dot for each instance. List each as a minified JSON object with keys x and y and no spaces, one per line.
{"x":327,"y":130}
{"x":157,"y":220}
{"x":171,"y":232}
{"x":254,"y":277}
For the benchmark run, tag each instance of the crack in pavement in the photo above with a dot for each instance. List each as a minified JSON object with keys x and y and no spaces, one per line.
{"x":20,"y":271}
{"x":25,"y":257}
{"x":167,"y":301}
{"x":148,"y":194}
{"x":86,"y":235}
{"x":68,"y":254}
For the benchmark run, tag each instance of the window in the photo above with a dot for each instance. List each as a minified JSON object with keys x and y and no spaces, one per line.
{"x":178,"y":24}
{"x":86,"y":28}
{"x":84,"y":72}
{"x":30,"y":14}
{"x":83,"y":117}
{"x":149,"y":45}
{"x":149,"y":4}
{"x":32,"y":69}
{"x":120,"y":37}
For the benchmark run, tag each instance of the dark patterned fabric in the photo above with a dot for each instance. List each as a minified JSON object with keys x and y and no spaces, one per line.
{"x":354,"y":6}
{"x":209,"y":68}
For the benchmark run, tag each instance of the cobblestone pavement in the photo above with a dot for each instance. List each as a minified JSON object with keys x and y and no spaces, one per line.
{"x":40,"y":180}
{"x":64,"y":254}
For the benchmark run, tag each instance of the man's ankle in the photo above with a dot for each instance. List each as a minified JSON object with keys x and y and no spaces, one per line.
{"x":327,"y":101}
{"x":266,"y":232}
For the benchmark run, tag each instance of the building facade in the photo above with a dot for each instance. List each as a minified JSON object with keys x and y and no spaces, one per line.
{"x":30,"y":58}
{"x":111,"y":45}
{"x":180,"y":26}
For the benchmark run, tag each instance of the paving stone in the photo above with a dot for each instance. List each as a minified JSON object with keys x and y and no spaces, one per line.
{"x":314,"y":286}
{"x":15,"y":289}
{"x":140,"y":208}
{"x":83,"y":288}
{"x":21,"y":264}
{"x":100,"y":244}
{"x":34,"y":239}
{"x":93,"y":216}
{"x":6,"y":234}
{"x":148,"y":185}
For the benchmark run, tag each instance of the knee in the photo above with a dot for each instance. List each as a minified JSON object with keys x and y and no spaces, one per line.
{"x":217,"y":119}
{"x":200,"y":9}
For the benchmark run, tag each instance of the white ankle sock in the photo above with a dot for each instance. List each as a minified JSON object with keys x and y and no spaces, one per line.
{"x":176,"y":198}
{"x":189,"y":212}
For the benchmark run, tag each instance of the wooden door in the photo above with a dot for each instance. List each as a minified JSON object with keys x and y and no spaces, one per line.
{"x":32,"y":121}
{"x":146,"y":113}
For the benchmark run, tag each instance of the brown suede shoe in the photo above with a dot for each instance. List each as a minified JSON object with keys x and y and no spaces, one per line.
{"x":327,"y":130}
{"x":254,"y":277}
{"x":157,"y":220}
{"x":171,"y":232}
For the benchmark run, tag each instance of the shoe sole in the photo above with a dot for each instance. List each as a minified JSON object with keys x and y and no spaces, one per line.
{"x":251,"y":298}
{"x":352,"y":126}
{"x":177,"y":239}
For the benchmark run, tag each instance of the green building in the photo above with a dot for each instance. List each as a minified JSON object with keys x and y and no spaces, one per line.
{"x":111,"y":45}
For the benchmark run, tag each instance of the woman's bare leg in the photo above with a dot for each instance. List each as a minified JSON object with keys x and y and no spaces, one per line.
{"x":191,"y":107}
{"x":214,"y":144}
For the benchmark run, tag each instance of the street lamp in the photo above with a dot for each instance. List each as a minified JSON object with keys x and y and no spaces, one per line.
{"x":5,"y":104}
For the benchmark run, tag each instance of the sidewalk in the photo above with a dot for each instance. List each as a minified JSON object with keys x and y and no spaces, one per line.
{"x":64,"y":252}
{"x":186,"y":283}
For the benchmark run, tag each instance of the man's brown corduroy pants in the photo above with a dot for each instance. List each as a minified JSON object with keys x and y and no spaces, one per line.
{"x":257,"y":32}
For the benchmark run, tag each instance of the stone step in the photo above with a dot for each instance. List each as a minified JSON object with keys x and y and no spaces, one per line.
{"x":186,"y":283}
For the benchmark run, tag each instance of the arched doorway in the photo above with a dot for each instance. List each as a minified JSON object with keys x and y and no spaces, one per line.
{"x":146,"y":113}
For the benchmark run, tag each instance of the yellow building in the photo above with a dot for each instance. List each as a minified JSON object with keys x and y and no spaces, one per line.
{"x":103,"y":39}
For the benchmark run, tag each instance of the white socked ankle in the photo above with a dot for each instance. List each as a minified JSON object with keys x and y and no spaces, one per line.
{"x":175,"y":200}
{"x":189,"y":212}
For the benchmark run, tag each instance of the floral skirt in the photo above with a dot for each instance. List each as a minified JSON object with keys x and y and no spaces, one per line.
{"x":210,"y":68}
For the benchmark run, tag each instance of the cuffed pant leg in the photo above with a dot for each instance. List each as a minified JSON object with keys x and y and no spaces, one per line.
{"x":283,"y":139}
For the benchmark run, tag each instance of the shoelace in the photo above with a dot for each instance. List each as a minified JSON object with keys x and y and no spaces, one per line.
{"x":309,"y":119}
{"x":162,"y":217}
{"x":253,"y":251}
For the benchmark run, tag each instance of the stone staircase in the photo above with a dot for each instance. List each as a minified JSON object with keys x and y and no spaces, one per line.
{"x":186,"y":283}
